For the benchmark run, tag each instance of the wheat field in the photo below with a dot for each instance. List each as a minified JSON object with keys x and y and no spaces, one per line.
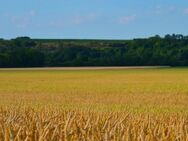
{"x":97,"y":105}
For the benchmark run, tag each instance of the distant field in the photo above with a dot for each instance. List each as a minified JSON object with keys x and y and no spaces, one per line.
{"x":153,"y":90}
{"x":154,"y":100}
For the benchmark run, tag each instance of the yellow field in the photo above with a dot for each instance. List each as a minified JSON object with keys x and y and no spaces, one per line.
{"x":124,"y":104}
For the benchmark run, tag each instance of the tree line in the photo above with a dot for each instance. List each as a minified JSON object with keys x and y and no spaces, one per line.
{"x":171,"y":50}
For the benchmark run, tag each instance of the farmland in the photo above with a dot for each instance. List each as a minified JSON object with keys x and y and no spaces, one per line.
{"x":96,"y":104}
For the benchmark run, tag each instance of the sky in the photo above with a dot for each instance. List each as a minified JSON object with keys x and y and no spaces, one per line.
{"x":92,"y":19}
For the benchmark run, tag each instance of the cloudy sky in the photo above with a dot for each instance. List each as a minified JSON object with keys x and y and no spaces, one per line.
{"x":92,"y":19}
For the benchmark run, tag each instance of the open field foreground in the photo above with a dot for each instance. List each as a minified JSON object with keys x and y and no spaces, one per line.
{"x":133,"y":104}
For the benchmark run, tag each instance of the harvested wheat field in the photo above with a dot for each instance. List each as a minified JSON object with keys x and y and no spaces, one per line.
{"x":146,"y":104}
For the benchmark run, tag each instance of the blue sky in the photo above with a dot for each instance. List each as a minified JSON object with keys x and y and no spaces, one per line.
{"x":92,"y":19}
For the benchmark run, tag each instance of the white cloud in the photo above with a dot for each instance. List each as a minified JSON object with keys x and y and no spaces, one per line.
{"x":21,"y":20}
{"x":186,"y":11}
{"x":158,"y":10}
{"x":83,"y":19}
{"x":32,"y":13}
{"x":127,"y":19}
{"x":74,"y":20}
{"x":56,"y":23}
{"x":172,"y":8}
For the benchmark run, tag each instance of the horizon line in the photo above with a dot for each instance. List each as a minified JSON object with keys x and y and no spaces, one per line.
{"x":53,"y":38}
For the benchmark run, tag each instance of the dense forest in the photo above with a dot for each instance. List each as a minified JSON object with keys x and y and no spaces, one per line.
{"x":171,"y":50}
